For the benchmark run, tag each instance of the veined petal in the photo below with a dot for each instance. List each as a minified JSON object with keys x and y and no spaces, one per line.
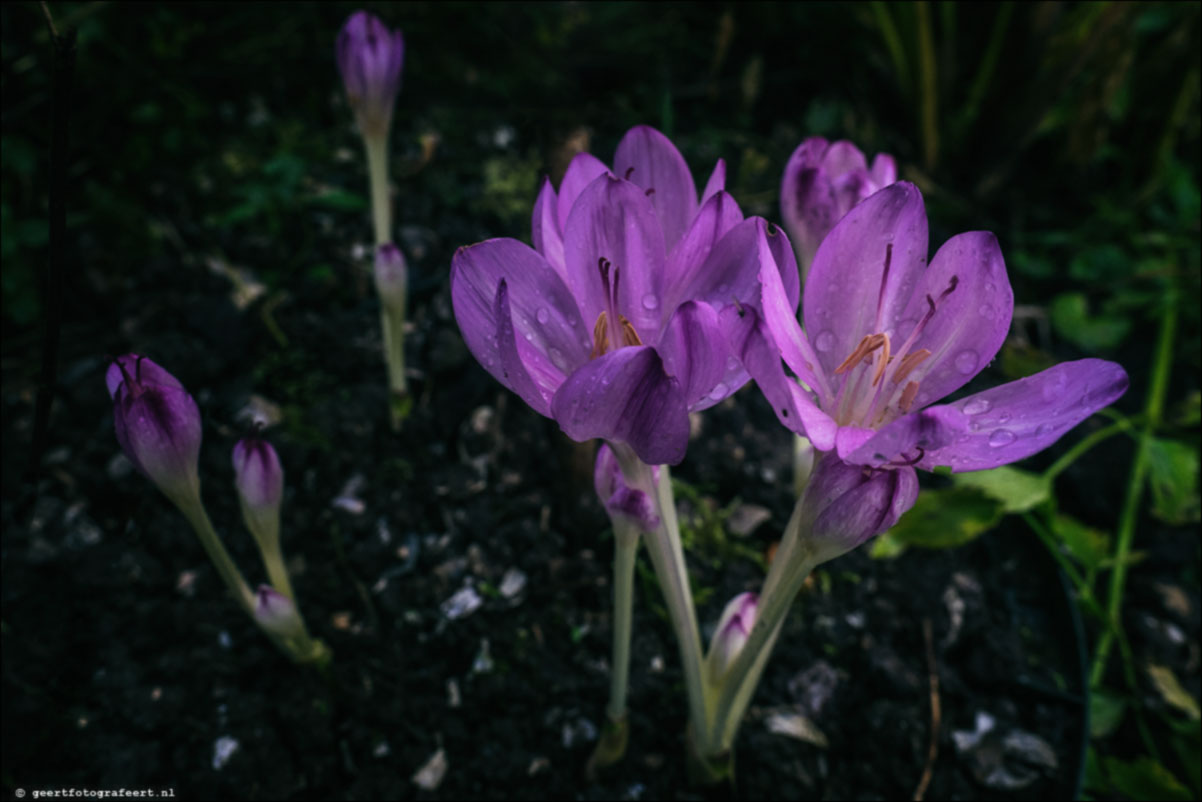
{"x":650,"y":160}
{"x":865,"y":272}
{"x":973,"y":305}
{"x":545,"y":229}
{"x":780,"y":315}
{"x":694,"y":350}
{"x":554,"y":339}
{"x":716,"y":182}
{"x":863,"y":512}
{"x":141,"y":370}
{"x":884,"y":170}
{"x":614,"y":221}
{"x":513,"y":371}
{"x":807,"y":203}
{"x":751,"y":341}
{"x":843,"y":157}
{"x":731,"y":271}
{"x":786,"y":263}
{"x":583,"y":170}
{"x":1017,"y":419}
{"x":908,"y":438}
{"x":684,"y":274}
{"x":625,"y":397}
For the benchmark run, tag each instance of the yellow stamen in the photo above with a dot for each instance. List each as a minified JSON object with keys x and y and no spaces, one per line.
{"x":907,"y":396}
{"x":629,"y":335}
{"x":908,"y":364}
{"x":600,"y":336}
{"x":880,"y":368}
{"x":867,"y":345}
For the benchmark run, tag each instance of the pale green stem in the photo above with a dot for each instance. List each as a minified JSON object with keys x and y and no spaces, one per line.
{"x":625,"y":548}
{"x":928,"y":86}
{"x":803,"y":463}
{"x":193,"y":509}
{"x":667,"y":557}
{"x":392,"y":329}
{"x":377,"y":174}
{"x":1084,"y":445}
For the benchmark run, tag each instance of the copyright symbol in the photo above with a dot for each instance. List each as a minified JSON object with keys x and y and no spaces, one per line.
{"x":20,"y":793}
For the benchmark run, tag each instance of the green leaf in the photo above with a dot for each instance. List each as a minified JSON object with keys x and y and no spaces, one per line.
{"x":1144,"y":778}
{"x":1017,"y":490}
{"x":339,"y":201}
{"x":1105,"y":713}
{"x":943,"y":519}
{"x":1091,"y":547}
{"x":1170,"y":690}
{"x":886,"y":547}
{"x":1072,"y":320}
{"x":1173,"y":478}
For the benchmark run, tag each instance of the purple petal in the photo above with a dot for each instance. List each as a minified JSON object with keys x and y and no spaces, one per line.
{"x":905,"y":440}
{"x":545,"y":229}
{"x":786,"y":263}
{"x":613,"y":220}
{"x":750,"y":340}
{"x":731,"y":272}
{"x":884,"y":170}
{"x":258,"y":475}
{"x":843,"y":157}
{"x":553,"y":337}
{"x":716,"y":182}
{"x":973,"y":304}
{"x":871,"y":504}
{"x":695,"y":352}
{"x":583,"y":170}
{"x":684,"y":274}
{"x":160,"y":431}
{"x":141,"y":370}
{"x":807,"y":203}
{"x":625,"y":396}
{"x":1020,"y":418}
{"x":849,"y":293}
{"x":650,"y":160}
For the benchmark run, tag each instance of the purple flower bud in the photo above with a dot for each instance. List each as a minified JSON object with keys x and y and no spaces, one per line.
{"x":157,"y":424}
{"x":845,"y":505}
{"x":258,"y":476}
{"x":623,"y":503}
{"x":392,"y":276}
{"x":277,"y":614}
{"x":370,"y":58}
{"x":731,"y":633}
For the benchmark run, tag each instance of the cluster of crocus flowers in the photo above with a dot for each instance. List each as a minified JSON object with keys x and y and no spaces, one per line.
{"x":158,"y":426}
{"x":640,"y":302}
{"x":370,"y":57}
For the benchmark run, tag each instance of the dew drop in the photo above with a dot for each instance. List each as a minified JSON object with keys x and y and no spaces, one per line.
{"x":529,"y":336}
{"x":723,"y":289}
{"x":966,"y":361}
{"x":977,"y":406}
{"x":572,"y":322}
{"x":1044,"y":430}
{"x":557,"y":358}
{"x":650,"y":302}
{"x":990,"y":286}
{"x":825,"y":341}
{"x":985,"y":311}
{"x":719,"y":392}
{"x":1003,"y":417}
{"x":1001,"y":437}
{"x":732,"y":363}
{"x":543,"y":315}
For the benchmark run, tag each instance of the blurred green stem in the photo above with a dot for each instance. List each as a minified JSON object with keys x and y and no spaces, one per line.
{"x":1074,"y":453}
{"x":1153,"y":410}
{"x":929,"y":86}
{"x":377,"y":174}
{"x":195,"y":512}
{"x":893,"y":44}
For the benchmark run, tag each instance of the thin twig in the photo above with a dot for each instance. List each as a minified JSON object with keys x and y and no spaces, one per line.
{"x":936,"y":715}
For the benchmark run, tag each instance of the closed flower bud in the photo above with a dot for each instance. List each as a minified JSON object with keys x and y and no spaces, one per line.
{"x":731,"y":633}
{"x":157,"y":425}
{"x":370,"y":58}
{"x":277,"y":614}
{"x":259,"y":478}
{"x":845,"y":505}
{"x":392,"y":276}
{"x":624,"y":504}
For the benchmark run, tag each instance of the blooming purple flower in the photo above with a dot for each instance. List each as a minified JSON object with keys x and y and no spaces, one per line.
{"x":886,"y":335}
{"x":258,"y":476}
{"x":623,"y":503}
{"x":157,"y":425}
{"x":370,"y":58}
{"x":730,"y":634}
{"x":613,"y":325}
{"x":822,"y":182}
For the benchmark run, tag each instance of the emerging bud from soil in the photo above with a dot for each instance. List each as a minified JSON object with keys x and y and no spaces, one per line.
{"x":845,"y":505}
{"x":277,"y":615}
{"x":731,"y":633}
{"x":626,"y":506}
{"x":392,"y":276}
{"x":157,"y":424}
{"x":370,"y":58}
{"x":259,"y":478}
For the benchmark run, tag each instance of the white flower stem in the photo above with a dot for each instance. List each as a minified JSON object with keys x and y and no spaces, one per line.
{"x":625,"y":549}
{"x":194,"y":511}
{"x":377,"y":174}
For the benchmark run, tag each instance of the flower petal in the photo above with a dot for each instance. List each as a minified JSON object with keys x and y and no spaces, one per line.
{"x":751,"y":341}
{"x":884,"y":170}
{"x":625,"y":396}
{"x":583,"y":170}
{"x":904,"y":440}
{"x":141,"y":370}
{"x":970,"y":321}
{"x":1020,"y":418}
{"x":650,"y":160}
{"x":685,"y":272}
{"x":807,"y":203}
{"x":716,"y":182}
{"x":865,"y":272}
{"x":694,"y":350}
{"x":843,"y":157}
{"x":545,"y":229}
{"x":613,"y":220}
{"x":554,"y":339}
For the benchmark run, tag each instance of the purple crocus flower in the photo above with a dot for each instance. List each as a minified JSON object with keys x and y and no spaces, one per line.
{"x":157,"y":425}
{"x":259,"y":479}
{"x":822,"y":182}
{"x":622,"y":502}
{"x":730,"y":634}
{"x":613,"y":326}
{"x":370,"y":58}
{"x":886,"y":335}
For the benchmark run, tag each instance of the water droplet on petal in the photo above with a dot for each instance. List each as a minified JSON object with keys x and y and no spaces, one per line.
{"x":990,"y":286}
{"x":825,"y":341}
{"x":966,"y":362}
{"x":1001,"y":437}
{"x":557,"y":358}
{"x":985,"y":311}
{"x":529,"y":336}
{"x":1003,"y":417}
{"x":1044,"y":429}
{"x":572,"y":322}
{"x":732,"y":363}
{"x":719,"y":392}
{"x":723,"y":289}
{"x":977,"y":406}
{"x":543,"y":315}
{"x":650,"y":302}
